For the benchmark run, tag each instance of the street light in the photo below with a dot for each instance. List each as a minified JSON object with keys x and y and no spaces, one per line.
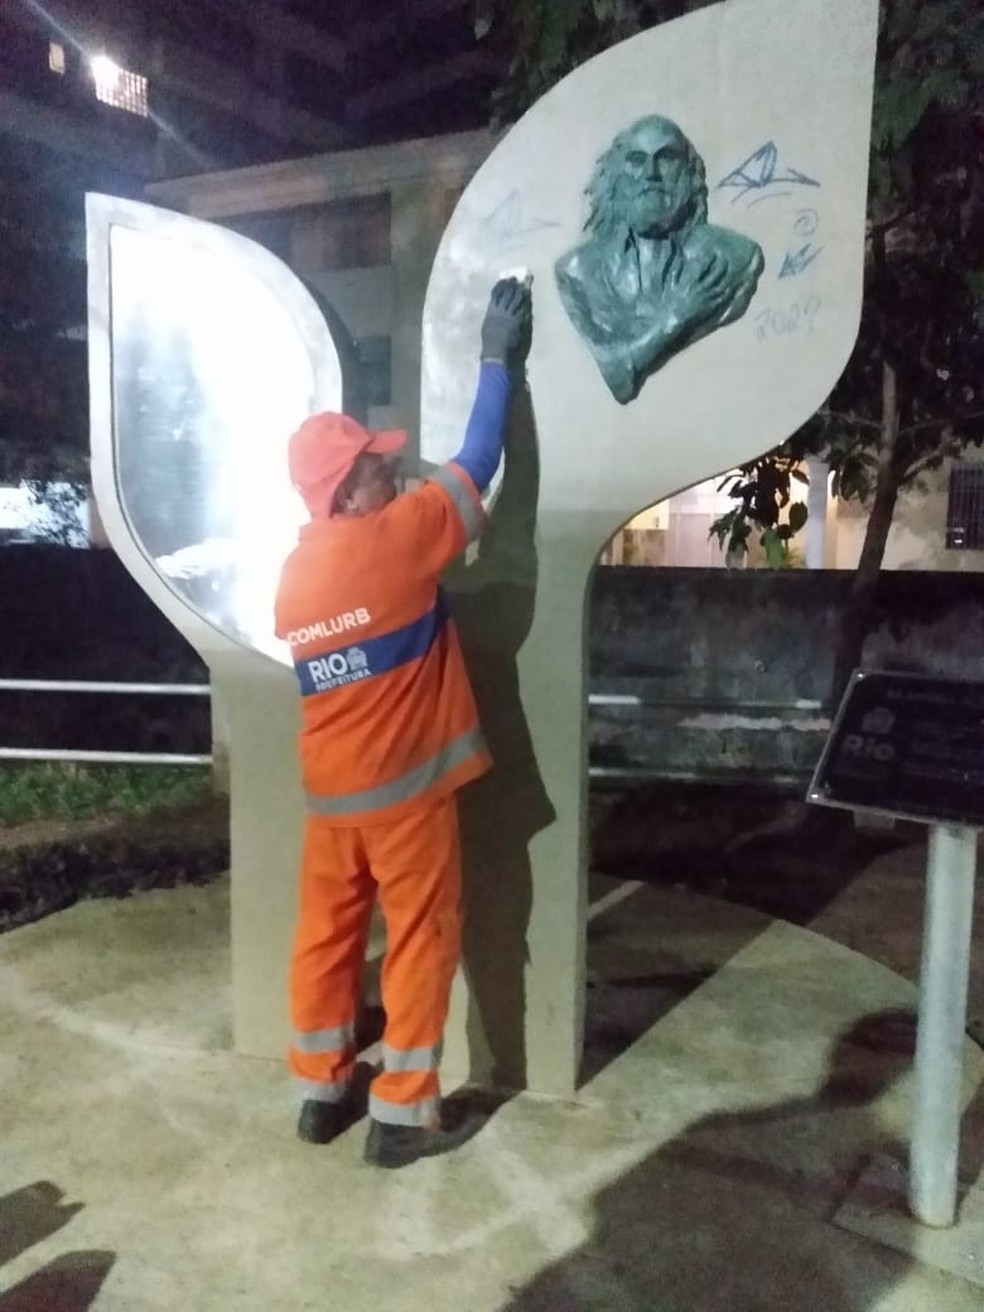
{"x":105,"y":71}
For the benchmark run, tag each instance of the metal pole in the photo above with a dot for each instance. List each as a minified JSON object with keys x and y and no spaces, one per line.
{"x":102,"y":758}
{"x":945,"y":968}
{"x":85,"y":685}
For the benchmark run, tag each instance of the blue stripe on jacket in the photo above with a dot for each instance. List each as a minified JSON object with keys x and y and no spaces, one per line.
{"x":341,"y":666}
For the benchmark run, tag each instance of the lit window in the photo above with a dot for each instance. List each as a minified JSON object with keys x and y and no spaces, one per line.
{"x":56,"y":57}
{"x":965,"y":509}
{"x":117,"y":87}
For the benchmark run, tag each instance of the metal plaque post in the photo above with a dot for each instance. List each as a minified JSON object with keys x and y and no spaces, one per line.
{"x":950,"y":872}
{"x":911,"y":745}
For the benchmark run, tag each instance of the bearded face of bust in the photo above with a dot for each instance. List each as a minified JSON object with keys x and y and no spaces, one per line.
{"x":655,"y":187}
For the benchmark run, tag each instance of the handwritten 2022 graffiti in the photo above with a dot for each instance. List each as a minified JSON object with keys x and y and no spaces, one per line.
{"x":800,"y":316}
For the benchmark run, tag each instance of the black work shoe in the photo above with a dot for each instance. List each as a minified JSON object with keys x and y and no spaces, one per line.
{"x":392,"y":1146}
{"x":320,"y":1122}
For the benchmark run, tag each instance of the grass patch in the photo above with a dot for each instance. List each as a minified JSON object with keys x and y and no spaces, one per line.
{"x":54,"y":790}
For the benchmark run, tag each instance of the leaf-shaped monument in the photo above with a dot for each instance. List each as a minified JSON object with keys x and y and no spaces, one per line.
{"x":714,"y":335}
{"x":206,"y":352}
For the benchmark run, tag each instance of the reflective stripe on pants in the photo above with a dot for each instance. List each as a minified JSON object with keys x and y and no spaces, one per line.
{"x":414,"y":866}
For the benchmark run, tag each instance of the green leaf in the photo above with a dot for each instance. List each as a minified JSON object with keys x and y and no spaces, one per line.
{"x":722,"y":527}
{"x":560,"y":18}
{"x":882,"y":185}
{"x":975,"y":55}
{"x":484,"y":19}
{"x":898,"y":108}
{"x":776,"y":552}
{"x":932,"y":20}
{"x":947,"y":87}
{"x":798,"y":515}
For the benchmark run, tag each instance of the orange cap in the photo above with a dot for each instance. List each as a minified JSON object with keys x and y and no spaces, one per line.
{"x":323,"y":450}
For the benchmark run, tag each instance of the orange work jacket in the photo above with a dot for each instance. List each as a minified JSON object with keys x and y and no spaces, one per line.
{"x":389,"y":720}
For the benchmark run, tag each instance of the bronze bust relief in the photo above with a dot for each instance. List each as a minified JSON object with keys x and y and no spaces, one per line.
{"x":653,"y":275}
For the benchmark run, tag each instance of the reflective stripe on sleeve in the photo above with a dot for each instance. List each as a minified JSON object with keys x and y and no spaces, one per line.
{"x":407,"y":786}
{"x":411,"y":1059}
{"x":319,"y":1090}
{"x":336,"y":1039}
{"x":471,"y":514}
{"x":400,"y":1113}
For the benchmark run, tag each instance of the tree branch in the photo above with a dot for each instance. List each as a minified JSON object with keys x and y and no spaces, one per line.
{"x":951,"y":421}
{"x":856,"y":420}
{"x":881,"y":226}
{"x":917,"y":466}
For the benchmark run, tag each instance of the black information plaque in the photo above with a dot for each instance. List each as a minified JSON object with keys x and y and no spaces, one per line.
{"x":907,"y":745}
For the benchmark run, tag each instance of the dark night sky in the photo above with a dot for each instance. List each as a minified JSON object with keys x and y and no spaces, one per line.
{"x":389,"y":42}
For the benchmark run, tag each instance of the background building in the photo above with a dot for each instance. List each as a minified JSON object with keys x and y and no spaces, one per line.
{"x":163,"y":89}
{"x":361,"y":228}
{"x":114,"y":95}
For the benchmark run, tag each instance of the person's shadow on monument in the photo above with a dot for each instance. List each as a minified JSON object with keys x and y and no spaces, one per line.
{"x":493,"y":597}
{"x":737,"y":1214}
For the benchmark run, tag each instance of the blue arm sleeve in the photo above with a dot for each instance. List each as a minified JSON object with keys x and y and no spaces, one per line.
{"x":482,"y":448}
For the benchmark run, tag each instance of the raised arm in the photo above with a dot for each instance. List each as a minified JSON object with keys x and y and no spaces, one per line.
{"x":505,"y":337}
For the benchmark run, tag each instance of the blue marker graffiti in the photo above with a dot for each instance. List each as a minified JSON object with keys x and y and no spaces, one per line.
{"x":762,"y":177}
{"x":507,"y":224}
{"x":797,"y":262}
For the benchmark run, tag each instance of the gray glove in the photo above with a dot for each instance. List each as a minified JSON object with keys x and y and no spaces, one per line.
{"x":508,"y":321}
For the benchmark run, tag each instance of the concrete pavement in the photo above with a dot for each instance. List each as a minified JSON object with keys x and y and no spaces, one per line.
{"x":736,"y":1145}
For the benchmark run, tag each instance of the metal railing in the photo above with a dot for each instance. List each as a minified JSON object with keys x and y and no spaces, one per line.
{"x":740,"y":714}
{"x":100,"y":757}
{"x":611,"y":774}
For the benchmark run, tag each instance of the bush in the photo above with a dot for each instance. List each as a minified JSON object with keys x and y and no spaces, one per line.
{"x":112,"y":831}
{"x":36,"y":881}
{"x":71,"y":791}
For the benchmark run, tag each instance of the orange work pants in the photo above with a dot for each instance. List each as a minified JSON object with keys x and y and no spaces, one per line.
{"x":414,"y":865}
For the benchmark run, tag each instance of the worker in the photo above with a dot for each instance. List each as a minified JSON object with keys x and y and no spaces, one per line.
{"x":389,"y":734}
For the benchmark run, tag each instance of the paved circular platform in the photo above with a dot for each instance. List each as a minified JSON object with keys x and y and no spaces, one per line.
{"x":744,"y":1079}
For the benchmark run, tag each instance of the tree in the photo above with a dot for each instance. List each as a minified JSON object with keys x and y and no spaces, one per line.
{"x":910,"y":396}
{"x":43,"y":371}
{"x":546,"y":39}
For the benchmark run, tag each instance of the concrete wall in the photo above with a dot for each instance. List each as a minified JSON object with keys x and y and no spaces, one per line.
{"x":719,"y":673}
{"x":67,"y":614}
{"x":723,"y":674}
